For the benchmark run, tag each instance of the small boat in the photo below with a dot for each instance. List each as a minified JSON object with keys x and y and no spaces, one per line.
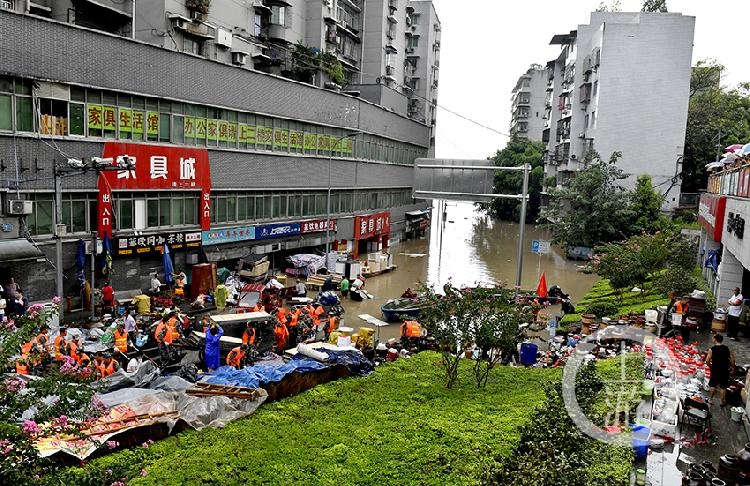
{"x":395,"y":308}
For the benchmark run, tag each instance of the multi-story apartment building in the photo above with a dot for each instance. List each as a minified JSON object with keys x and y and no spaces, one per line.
{"x":621,"y":84}
{"x":229,"y":160}
{"x":527,"y":101}
{"x":401,"y":57}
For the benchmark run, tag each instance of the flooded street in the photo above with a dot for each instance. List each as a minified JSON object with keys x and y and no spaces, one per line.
{"x":468,"y":248}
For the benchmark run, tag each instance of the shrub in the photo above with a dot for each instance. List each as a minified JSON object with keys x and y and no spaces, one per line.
{"x":602,"y":309}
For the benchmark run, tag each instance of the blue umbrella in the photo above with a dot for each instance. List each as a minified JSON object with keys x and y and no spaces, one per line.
{"x":168,"y":269}
{"x":80,"y":263}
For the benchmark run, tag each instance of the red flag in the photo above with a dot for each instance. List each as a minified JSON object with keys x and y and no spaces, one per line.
{"x":541,"y":289}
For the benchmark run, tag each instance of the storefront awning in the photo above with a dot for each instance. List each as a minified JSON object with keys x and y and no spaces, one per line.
{"x":18,"y":249}
{"x":417,"y":214}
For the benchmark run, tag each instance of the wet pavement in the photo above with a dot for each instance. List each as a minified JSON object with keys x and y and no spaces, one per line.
{"x":666,"y":467}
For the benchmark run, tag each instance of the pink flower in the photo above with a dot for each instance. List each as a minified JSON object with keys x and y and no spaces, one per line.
{"x":98,"y":405}
{"x":118,"y":483}
{"x":61,"y":421}
{"x":144,"y":473}
{"x":109,"y":472}
{"x":111,"y":444}
{"x":147,"y":444}
{"x":30,"y":427}
{"x":56,"y":300}
{"x":14,"y":386}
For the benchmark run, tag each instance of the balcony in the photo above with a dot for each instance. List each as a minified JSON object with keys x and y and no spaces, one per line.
{"x":280,"y":32}
{"x":392,"y":19}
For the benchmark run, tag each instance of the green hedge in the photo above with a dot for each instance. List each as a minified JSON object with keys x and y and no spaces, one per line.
{"x":397,"y":426}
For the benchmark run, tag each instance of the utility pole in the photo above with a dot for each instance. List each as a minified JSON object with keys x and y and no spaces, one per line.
{"x":522,"y":227}
{"x":718,"y":145}
{"x":58,"y":240}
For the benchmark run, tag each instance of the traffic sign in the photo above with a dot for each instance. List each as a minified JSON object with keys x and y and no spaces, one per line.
{"x":540,"y":246}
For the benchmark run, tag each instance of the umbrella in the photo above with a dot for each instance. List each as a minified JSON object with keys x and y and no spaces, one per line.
{"x":168,"y":269}
{"x":745,"y":149}
{"x":80,"y":263}
{"x":733,"y":147}
{"x":541,"y":289}
{"x":106,"y":256}
{"x":714,"y":165}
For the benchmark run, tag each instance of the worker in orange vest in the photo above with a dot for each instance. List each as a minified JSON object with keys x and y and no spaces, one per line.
{"x":61,"y":344}
{"x":107,"y":366}
{"x":25,"y":363}
{"x":248,"y":337}
{"x":258,"y":306}
{"x":411,"y":329}
{"x":173,"y":323}
{"x":236,"y":356}
{"x":163,"y":334}
{"x":282,"y":335}
{"x":75,"y":350}
{"x":293,"y":326}
{"x":44,"y":343}
{"x":121,"y":338}
{"x":281,"y":313}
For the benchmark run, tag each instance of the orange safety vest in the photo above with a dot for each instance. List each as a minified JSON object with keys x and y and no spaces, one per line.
{"x":282,"y":314}
{"x":172,"y":323}
{"x":43,"y":341}
{"x":248,"y":337}
{"x":22,"y":365}
{"x":81,"y":358}
{"x":411,"y":329}
{"x":282,"y":334}
{"x":295,"y":318}
{"x":333,"y":323}
{"x":679,"y":308}
{"x":105,"y":370}
{"x":235,"y":357}
{"x":162,"y":328}
{"x":121,"y":340}
{"x":60,"y":346}
{"x":74,"y":351}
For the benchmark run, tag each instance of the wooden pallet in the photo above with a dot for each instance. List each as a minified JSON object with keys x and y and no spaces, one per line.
{"x":203,"y":389}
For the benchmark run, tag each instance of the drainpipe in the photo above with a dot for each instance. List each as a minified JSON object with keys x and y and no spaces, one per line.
{"x":362,"y":45}
{"x":132,"y":22}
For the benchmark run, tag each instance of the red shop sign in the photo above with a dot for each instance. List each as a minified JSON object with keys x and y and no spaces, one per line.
{"x":156,"y":167}
{"x":711,"y":211}
{"x":372,"y":225}
{"x":316,"y":226}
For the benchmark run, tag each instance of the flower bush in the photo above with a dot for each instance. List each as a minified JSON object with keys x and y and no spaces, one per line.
{"x":53,"y":402}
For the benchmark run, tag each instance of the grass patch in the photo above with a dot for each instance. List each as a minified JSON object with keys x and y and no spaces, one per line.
{"x":603,"y":293}
{"x":397,"y":426}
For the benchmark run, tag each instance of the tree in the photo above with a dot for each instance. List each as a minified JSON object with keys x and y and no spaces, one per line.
{"x":305,"y":62}
{"x":485,"y":317}
{"x":717,"y":117}
{"x":519,"y":151}
{"x":654,"y":6}
{"x":593,"y":208}
{"x":614,"y":6}
{"x":646,"y":205}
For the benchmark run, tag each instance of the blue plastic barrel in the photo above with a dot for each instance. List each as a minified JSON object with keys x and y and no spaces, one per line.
{"x":528,"y":353}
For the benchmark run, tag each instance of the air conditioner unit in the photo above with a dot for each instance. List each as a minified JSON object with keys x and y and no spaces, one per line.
{"x":179,"y":22}
{"x":409,"y":50}
{"x":239,"y":58}
{"x":223,"y":38}
{"x":275,"y":246}
{"x":389,"y":69}
{"x":197,"y":16}
{"x":60,"y":230}
{"x":19,"y":207}
{"x":6,"y":4}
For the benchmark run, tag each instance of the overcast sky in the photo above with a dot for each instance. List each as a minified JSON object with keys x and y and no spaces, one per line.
{"x":487,"y":44}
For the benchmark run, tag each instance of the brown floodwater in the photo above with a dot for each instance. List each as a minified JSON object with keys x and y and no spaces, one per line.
{"x":469,"y":248}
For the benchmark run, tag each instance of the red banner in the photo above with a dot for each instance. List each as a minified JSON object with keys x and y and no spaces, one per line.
{"x":156,"y":167}
{"x":372,"y":225}
{"x":711,"y":214}
{"x":316,"y":226}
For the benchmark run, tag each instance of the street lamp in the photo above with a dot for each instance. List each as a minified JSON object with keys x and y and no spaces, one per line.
{"x":328,"y":199}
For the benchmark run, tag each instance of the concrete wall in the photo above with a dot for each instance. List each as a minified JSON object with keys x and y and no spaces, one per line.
{"x":644,"y":82}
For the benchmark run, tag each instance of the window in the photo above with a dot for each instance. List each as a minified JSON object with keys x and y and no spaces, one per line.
{"x":595,"y":89}
{"x":279,"y":16}
{"x":40,"y":220}
{"x":53,"y":117}
{"x":593,"y":119}
{"x":412,"y":41}
{"x":415,"y":19}
{"x":586,"y":121}
{"x":6,"y":112}
{"x":258,"y":26}
{"x":193,"y":46}
{"x":388,"y":58}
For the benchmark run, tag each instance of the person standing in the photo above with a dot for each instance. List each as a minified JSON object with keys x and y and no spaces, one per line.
{"x":721,"y":360}
{"x":734,"y":311}
{"x":155,"y":287}
{"x":108,"y":296}
{"x":344,"y":286}
{"x":300,"y":289}
{"x":129,"y":322}
{"x":212,"y":350}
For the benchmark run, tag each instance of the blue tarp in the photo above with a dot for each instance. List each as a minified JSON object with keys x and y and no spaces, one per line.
{"x":262,"y":374}
{"x":254,"y":376}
